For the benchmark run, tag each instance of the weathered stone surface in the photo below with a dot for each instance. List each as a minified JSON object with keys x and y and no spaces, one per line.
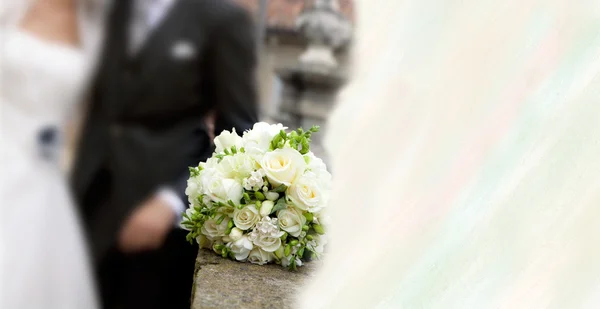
{"x":221,"y":283}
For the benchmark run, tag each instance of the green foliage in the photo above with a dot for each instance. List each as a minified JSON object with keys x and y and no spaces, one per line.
{"x":298,"y":139}
{"x":281,"y":204}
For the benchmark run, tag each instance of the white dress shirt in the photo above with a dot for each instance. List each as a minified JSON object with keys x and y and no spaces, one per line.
{"x":147,"y":16}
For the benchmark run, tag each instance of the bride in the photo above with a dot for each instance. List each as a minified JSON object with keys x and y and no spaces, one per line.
{"x":47,"y":50}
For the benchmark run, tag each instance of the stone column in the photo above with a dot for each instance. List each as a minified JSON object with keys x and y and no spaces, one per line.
{"x":311,"y":86}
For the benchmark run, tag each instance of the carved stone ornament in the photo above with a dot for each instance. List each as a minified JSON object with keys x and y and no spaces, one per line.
{"x":326,"y":30}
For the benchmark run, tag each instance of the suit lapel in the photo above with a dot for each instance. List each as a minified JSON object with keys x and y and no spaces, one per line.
{"x":170,"y":24}
{"x":152,"y":51}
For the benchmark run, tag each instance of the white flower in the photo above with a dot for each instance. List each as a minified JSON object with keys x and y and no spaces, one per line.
{"x":258,"y":140}
{"x":224,"y":190}
{"x":266,"y":207}
{"x":188,"y":213}
{"x":217,"y":242}
{"x":204,"y":242}
{"x":307,"y":193}
{"x":318,"y":167}
{"x":226,"y":140}
{"x":241,"y":248}
{"x":255,"y":182}
{"x":260,"y":257}
{"x":238,"y":166}
{"x":317,"y":244}
{"x":267,"y":243}
{"x":226,"y":210}
{"x":283,"y":166}
{"x":266,"y":234}
{"x":193,"y":189}
{"x":314,"y":162}
{"x":246,"y":217}
{"x":236,"y":234}
{"x":291,"y":220}
{"x":212,"y":230}
{"x":206,"y":200}
{"x":272,"y":196}
{"x":286,"y":260}
{"x":211,"y":163}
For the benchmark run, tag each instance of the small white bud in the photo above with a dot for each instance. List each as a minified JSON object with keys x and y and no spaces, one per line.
{"x":236,"y":234}
{"x":272,"y":196}
{"x":266,"y":208}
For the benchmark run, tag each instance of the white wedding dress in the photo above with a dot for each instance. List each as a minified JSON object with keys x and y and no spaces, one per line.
{"x":44,"y":259}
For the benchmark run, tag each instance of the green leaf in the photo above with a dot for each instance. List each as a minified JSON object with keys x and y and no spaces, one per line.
{"x":279,"y":205}
{"x":319,"y":229}
{"x":259,"y":195}
{"x":247,"y":198}
{"x":305,"y":147}
{"x":280,"y":189}
{"x":288,"y":250}
{"x":230,"y":202}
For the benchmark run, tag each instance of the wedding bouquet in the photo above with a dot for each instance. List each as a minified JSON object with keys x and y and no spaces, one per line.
{"x":260,"y":198}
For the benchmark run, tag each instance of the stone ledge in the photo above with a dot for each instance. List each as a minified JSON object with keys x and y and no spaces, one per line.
{"x":221,"y":283}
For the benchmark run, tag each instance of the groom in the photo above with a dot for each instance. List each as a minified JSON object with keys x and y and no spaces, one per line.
{"x":166,"y":64}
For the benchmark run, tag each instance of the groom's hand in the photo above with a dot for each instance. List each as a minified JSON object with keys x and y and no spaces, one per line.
{"x":147,"y":227}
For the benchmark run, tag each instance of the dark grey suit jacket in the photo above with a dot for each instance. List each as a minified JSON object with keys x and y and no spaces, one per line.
{"x":145,"y":124}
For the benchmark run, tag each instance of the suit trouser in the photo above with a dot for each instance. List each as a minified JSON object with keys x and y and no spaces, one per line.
{"x":157,"y":279}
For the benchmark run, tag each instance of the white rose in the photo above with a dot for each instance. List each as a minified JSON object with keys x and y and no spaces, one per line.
{"x":291,"y":220}
{"x":246,"y":217}
{"x":211,"y":229}
{"x":268,"y":243}
{"x":226,"y":140}
{"x":241,"y":248}
{"x":260,"y":257}
{"x":236,"y":234}
{"x":224,"y":190}
{"x":238,"y":166}
{"x":266,"y":207}
{"x":307,"y":193}
{"x":283,"y":166}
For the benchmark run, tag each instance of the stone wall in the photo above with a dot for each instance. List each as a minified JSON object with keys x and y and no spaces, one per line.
{"x":221,"y":283}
